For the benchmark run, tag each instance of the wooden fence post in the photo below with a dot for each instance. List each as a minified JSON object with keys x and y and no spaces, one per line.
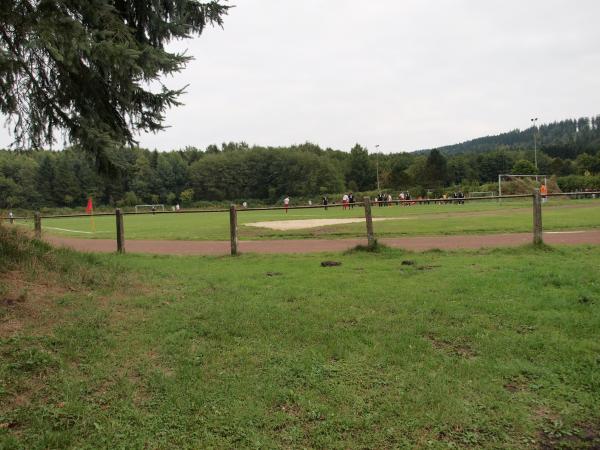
{"x":37,"y":225}
{"x":369,"y":219}
{"x":537,"y":218}
{"x":120,"y":231}
{"x":233,"y":231}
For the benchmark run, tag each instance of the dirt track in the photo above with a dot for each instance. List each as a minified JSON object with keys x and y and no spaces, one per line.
{"x":421,"y":243}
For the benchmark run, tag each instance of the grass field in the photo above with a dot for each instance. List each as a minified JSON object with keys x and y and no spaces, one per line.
{"x":476,"y":217}
{"x":492,"y":349}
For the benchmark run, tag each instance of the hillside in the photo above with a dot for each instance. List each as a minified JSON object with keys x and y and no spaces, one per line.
{"x":565,"y":139}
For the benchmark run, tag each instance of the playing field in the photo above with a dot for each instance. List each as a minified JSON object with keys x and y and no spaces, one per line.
{"x":476,"y":217}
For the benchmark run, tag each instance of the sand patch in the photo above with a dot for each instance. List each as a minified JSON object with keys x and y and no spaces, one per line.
{"x":285,"y":225}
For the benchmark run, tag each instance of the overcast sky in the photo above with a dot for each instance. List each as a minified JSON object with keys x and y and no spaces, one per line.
{"x":405,"y":74}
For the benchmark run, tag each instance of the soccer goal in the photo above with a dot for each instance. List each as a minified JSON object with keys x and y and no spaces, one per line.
{"x":482,"y":194}
{"x":507,"y":177}
{"x":142,"y":208}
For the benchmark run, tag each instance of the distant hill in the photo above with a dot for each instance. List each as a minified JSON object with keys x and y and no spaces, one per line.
{"x":565,"y":139}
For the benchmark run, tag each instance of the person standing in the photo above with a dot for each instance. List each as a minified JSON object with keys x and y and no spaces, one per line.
{"x":286,"y":203}
{"x":11,"y":217}
{"x":325,"y":202}
{"x":351,"y":200}
{"x":544,"y":192}
{"x":345,"y":201}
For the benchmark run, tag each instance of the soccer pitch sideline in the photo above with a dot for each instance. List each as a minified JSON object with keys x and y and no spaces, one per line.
{"x":395,"y":221}
{"x":485,"y":349}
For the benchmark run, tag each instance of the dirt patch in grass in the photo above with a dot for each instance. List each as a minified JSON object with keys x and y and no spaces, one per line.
{"x":518,"y":383}
{"x":291,"y":410}
{"x":458,"y":348}
{"x":525,"y":329}
{"x":554,"y":433}
{"x":24,"y":303}
{"x":286,"y":225}
{"x":34,"y":305}
{"x":412,"y":265}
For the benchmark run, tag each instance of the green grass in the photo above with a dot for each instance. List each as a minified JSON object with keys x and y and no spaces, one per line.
{"x":477,"y":217}
{"x":493,"y":349}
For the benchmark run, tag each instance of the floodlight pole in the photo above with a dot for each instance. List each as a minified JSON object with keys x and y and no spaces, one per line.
{"x":534,"y":120}
{"x":377,"y":167}
{"x":499,"y":187}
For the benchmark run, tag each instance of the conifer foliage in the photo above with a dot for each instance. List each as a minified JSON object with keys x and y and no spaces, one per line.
{"x":82,"y":68}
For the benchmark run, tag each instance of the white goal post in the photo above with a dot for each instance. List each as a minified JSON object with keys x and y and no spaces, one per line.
{"x":507,"y":175}
{"x":482,"y":194}
{"x":156,"y":207}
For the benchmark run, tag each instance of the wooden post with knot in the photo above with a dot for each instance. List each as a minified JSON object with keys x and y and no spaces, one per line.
{"x":371,"y":242}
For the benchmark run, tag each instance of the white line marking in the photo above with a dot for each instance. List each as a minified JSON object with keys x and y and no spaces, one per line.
{"x":70,"y":231}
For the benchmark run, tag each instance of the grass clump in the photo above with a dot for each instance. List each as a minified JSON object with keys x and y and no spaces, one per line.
{"x":36,"y":260}
{"x":377,"y":247}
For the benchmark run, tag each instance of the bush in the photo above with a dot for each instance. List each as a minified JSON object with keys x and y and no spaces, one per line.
{"x":574,"y":183}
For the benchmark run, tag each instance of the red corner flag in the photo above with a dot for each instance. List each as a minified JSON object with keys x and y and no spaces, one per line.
{"x":90,"y":206}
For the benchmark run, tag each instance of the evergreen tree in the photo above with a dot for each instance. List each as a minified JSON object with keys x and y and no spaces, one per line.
{"x":85,"y":66}
{"x":436,"y":169}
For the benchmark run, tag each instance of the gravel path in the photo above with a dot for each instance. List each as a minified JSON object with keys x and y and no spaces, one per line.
{"x":420,"y":243}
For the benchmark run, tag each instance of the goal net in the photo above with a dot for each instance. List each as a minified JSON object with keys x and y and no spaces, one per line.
{"x":144,"y":208}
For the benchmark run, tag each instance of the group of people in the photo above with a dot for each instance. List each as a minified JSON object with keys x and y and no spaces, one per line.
{"x":405,"y":199}
{"x":459,"y":197}
{"x":385,"y":199}
{"x":348,"y":201}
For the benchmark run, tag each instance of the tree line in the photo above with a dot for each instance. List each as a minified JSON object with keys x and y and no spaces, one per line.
{"x":238,"y":172}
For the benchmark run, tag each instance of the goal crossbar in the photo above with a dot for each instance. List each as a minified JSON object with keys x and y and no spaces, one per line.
{"x":479,"y":194}
{"x":161,"y":206}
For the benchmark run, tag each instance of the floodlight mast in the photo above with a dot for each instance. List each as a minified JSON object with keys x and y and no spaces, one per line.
{"x":377,"y":167}
{"x":534,"y":121}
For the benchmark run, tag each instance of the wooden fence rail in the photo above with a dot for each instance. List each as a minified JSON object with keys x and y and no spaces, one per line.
{"x":366,"y":203}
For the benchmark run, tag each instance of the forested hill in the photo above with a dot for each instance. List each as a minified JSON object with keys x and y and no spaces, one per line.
{"x":565,"y":139}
